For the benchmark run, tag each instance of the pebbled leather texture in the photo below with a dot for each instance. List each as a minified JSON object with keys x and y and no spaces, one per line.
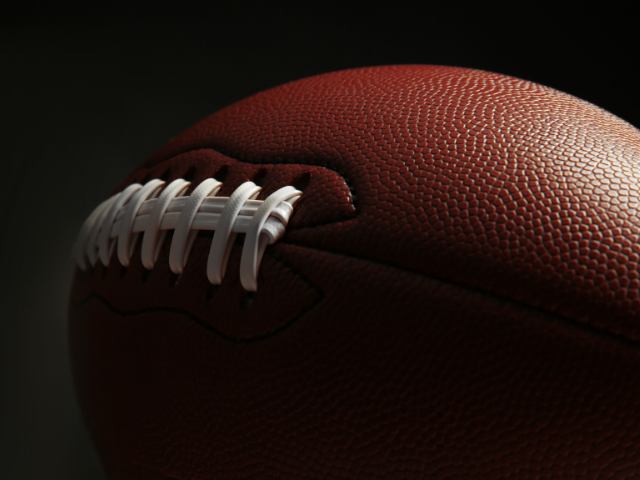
{"x":456,"y":295}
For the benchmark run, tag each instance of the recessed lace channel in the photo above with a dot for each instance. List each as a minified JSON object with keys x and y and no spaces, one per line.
{"x":152,"y":210}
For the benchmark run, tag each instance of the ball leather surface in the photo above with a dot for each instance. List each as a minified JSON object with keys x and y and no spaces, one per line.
{"x":456,"y":296}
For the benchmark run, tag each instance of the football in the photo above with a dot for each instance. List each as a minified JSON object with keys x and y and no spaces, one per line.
{"x":400,"y":272}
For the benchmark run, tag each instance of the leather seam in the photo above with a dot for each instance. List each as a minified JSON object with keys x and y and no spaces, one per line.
{"x":598,"y":332}
{"x":564,"y":320}
{"x":207,"y":326}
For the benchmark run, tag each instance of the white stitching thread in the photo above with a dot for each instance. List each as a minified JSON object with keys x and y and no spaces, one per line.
{"x":116,"y":224}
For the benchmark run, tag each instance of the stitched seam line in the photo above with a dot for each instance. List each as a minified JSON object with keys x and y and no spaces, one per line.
{"x":565,"y":321}
{"x":207,"y":326}
{"x":598,"y":332}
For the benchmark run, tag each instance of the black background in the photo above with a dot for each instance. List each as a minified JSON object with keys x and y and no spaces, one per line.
{"x":88,"y":92}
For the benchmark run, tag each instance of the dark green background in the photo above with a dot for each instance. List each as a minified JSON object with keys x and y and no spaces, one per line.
{"x":88,"y":94}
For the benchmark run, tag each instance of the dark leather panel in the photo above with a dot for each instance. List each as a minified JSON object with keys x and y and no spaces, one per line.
{"x":391,"y":375}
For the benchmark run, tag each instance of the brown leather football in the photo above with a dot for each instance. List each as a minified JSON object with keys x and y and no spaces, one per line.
{"x":449,"y":289}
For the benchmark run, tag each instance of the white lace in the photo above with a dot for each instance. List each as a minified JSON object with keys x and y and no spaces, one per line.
{"x":152,"y":210}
